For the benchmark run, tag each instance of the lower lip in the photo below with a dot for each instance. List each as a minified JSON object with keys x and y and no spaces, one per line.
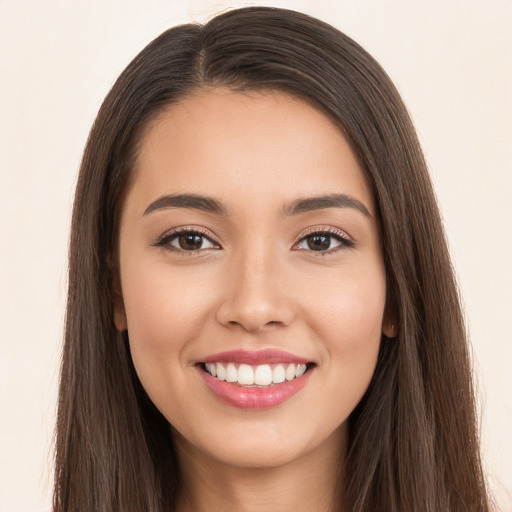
{"x":254,"y":398}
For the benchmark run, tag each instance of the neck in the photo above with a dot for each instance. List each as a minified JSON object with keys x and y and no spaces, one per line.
{"x":309,"y":483}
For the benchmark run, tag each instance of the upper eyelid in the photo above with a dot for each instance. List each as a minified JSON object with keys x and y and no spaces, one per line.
{"x":324,"y":229}
{"x":189,"y":229}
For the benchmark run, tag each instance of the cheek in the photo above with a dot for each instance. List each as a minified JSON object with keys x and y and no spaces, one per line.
{"x":350,"y":307}
{"x":165,"y":310}
{"x":348,"y":327}
{"x":162,"y":301}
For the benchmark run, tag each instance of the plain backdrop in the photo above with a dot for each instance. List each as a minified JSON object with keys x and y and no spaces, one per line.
{"x":452,"y":62}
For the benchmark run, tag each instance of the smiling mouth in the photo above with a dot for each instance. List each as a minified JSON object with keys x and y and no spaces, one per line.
{"x":255,"y":376}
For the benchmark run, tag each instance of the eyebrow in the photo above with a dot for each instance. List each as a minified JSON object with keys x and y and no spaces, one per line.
{"x":211,"y":205}
{"x":192,"y":201}
{"x":327,"y":201}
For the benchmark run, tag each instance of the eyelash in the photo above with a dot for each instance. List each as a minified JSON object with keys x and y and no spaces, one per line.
{"x":344,"y":242}
{"x":165,"y":240}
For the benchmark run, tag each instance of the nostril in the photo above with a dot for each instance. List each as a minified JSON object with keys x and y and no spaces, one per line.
{"x":246,"y":325}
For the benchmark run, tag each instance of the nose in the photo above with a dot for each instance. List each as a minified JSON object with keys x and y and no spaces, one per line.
{"x":256,"y":295}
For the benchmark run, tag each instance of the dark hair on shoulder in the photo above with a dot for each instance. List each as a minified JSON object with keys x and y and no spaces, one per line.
{"x":413,"y":438}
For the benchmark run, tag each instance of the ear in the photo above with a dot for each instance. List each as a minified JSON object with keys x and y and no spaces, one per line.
{"x":118,"y":305}
{"x":389,"y":322}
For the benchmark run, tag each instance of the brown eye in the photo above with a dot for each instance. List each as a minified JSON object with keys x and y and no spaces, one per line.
{"x":319,"y":242}
{"x":324,"y":241}
{"x":186,"y":241}
{"x":190,"y":241}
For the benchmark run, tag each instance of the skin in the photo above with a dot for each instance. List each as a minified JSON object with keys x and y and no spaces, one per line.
{"x":255,"y":283}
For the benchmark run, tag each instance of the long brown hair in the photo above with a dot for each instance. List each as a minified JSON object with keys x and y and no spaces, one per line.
{"x":413,"y":440}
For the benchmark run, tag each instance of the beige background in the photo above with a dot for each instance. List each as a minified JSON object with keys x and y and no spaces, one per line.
{"x":452,"y":62}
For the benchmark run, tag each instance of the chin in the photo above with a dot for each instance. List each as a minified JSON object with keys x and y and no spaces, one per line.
{"x":259,"y":456}
{"x":263,"y":445}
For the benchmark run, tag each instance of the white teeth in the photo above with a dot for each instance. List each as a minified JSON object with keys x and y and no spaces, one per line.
{"x":278,"y":374}
{"x":221,"y":371}
{"x":259,"y":375}
{"x":245,"y":375}
{"x":263,"y":375}
{"x":211,"y":368}
{"x":301,"y":368}
{"x":231,"y":373}
{"x":290,"y":372}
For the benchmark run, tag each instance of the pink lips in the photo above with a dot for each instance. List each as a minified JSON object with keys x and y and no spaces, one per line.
{"x":254,"y":397}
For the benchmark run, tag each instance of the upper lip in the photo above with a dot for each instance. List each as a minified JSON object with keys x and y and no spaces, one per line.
{"x":255,"y":357}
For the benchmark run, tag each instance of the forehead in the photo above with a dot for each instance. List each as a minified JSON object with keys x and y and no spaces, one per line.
{"x":257,"y":145}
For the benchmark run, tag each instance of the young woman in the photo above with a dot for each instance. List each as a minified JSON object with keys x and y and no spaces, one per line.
{"x":262,"y":312}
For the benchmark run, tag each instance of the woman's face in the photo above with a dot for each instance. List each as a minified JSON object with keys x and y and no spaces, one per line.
{"x":250,"y":252}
